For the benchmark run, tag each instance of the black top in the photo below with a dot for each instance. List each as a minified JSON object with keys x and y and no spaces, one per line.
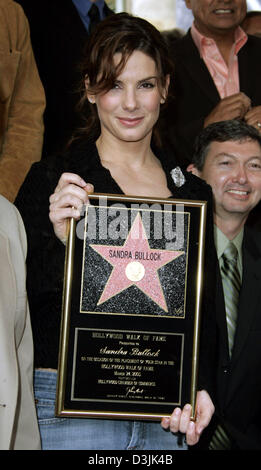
{"x":45,"y":260}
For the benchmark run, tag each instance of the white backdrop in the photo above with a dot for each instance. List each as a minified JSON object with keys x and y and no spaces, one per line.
{"x":160,"y":13}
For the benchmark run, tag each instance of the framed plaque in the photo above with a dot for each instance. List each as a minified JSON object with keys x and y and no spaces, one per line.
{"x":130,"y":327}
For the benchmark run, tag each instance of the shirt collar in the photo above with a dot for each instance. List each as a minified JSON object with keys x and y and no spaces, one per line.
{"x":221,"y":242}
{"x":200,"y":40}
{"x":83,"y":6}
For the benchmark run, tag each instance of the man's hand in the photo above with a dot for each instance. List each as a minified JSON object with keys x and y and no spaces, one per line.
{"x":232,"y":107}
{"x":253,"y":117}
{"x":180,"y":420}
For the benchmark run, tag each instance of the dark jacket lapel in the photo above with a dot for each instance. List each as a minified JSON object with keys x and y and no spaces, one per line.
{"x":188,"y":54}
{"x":250,"y":295}
{"x":107,"y":11}
{"x":249,"y":64}
{"x":71,"y":22}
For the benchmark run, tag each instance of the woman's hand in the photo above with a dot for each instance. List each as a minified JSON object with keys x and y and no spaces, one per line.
{"x":66,"y":202}
{"x":180,"y":420}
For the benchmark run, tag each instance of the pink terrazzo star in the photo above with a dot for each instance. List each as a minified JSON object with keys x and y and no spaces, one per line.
{"x":135,"y":263}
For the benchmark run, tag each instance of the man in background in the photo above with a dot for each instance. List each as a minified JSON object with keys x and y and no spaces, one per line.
{"x":252,"y":23}
{"x":59,"y":32}
{"x":228,"y":157}
{"x":22,"y":100}
{"x":18,"y":422}
{"x":216,"y":77}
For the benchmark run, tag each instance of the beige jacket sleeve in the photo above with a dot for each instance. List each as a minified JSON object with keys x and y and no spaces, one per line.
{"x":18,"y":422}
{"x":22,"y":100}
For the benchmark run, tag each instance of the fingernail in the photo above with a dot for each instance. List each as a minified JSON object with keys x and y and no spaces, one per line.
{"x":165,"y":422}
{"x":76,"y":214}
{"x":199,"y":429}
{"x":88,"y":188}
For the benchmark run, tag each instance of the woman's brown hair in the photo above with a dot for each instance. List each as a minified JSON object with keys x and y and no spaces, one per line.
{"x":120,"y":33}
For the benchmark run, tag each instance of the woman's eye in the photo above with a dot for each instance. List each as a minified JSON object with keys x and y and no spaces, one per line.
{"x":147,"y":85}
{"x":116,"y":86}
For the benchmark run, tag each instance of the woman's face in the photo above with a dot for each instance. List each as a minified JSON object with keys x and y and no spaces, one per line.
{"x":130,"y":109}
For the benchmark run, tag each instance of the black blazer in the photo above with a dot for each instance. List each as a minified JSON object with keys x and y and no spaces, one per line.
{"x":45,"y":260}
{"x":195,"y":94}
{"x":239,"y":379}
{"x":58,"y":39}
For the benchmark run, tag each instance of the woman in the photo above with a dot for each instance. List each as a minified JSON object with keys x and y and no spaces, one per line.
{"x":126,"y":75}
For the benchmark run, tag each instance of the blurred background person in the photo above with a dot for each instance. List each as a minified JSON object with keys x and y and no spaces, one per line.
{"x":252,"y":23}
{"x":171,"y":35}
{"x":59,"y":33}
{"x":18,"y":422}
{"x":217,"y":69}
{"x":22,"y":100}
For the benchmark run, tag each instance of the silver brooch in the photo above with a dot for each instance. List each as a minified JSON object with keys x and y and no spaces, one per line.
{"x":178,"y":177}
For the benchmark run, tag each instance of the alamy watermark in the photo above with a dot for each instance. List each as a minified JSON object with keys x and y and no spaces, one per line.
{"x":113,"y":222}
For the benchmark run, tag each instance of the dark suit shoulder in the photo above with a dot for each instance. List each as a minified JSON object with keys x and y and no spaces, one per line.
{"x":184,"y":45}
{"x":252,"y":240}
{"x":250,"y":54}
{"x":254,"y":41}
{"x":198,"y":187}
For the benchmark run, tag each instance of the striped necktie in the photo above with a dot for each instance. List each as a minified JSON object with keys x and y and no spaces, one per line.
{"x":231,"y":286}
{"x":220,"y":439}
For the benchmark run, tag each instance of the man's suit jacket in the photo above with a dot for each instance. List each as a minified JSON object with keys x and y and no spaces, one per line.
{"x":18,"y":422}
{"x":239,"y":379}
{"x":195,"y":94}
{"x":22,"y":100}
{"x":58,"y":38}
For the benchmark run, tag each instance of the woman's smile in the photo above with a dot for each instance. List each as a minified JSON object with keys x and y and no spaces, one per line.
{"x":130,"y":122}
